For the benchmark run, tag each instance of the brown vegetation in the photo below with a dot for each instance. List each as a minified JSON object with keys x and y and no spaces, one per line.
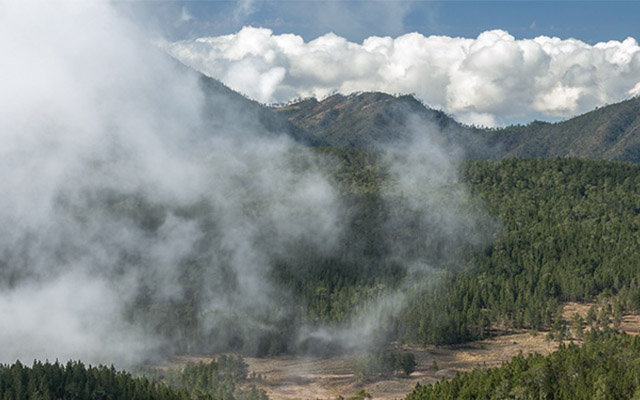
{"x":298,"y":377}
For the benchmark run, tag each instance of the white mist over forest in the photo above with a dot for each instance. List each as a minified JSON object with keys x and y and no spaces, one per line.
{"x":118,"y":191}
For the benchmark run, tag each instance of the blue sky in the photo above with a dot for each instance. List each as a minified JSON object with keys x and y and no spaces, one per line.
{"x":589,"y":21}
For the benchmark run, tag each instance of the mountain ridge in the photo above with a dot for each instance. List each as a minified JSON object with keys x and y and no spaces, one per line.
{"x":611,"y":132}
{"x":366,"y":119}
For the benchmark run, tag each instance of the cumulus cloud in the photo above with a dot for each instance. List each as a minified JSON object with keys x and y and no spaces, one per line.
{"x":491,"y":79}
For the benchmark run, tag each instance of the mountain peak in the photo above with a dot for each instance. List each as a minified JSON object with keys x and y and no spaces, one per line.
{"x":361,"y":119}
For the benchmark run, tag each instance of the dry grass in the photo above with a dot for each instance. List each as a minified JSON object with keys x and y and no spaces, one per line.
{"x":327,"y":378}
{"x":630,"y":322}
{"x":289,"y":377}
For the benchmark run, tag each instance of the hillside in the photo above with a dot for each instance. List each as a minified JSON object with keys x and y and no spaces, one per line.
{"x":362,"y":120}
{"x":369,"y":119}
{"x":373,"y":119}
{"x":610,"y":133}
{"x":229,"y":110}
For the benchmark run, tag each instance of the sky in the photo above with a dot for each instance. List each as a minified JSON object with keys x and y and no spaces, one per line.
{"x":589,"y":21}
{"x":487,"y":63}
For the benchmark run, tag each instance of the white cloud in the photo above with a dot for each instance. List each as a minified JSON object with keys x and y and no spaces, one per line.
{"x":494,"y":76}
{"x":185,"y":16}
{"x":244,"y":8}
{"x":636,"y":90}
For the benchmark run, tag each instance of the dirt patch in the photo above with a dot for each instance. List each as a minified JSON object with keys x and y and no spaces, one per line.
{"x":289,"y":377}
{"x":327,"y":378}
{"x":630,"y":322}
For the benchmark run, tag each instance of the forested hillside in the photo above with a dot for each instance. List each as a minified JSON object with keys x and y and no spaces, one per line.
{"x":569,"y":230}
{"x":611,"y":132}
{"x":605,"y":367}
{"x":369,"y":119}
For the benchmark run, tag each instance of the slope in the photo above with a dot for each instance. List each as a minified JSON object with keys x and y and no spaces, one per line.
{"x":610,"y":133}
{"x":225,"y":109}
{"x":367,"y":120}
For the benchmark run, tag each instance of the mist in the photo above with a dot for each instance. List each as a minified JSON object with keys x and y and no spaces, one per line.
{"x":431,"y":225}
{"x":119,"y":193}
{"x":143,"y":215}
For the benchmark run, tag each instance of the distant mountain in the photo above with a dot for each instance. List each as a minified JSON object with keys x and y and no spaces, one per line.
{"x":611,"y":133}
{"x":229,"y":110}
{"x":369,"y":119}
{"x":362,"y":120}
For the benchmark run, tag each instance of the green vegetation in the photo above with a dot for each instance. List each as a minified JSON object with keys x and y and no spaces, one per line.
{"x":608,"y":132}
{"x":217,"y":380}
{"x":77,"y":381}
{"x":605,"y":367}
{"x":570,"y":231}
{"x":360,"y":395}
{"x":383,"y":364}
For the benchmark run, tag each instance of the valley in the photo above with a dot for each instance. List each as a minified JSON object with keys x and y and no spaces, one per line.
{"x":289,"y":377}
{"x":244,"y":211}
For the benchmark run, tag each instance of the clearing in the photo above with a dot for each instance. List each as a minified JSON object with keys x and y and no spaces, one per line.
{"x":299,"y":377}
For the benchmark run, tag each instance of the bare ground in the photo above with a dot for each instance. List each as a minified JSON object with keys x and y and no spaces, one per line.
{"x":327,"y":378}
{"x":297,"y":377}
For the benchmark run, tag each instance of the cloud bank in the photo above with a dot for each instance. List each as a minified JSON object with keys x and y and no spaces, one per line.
{"x":490,"y":80}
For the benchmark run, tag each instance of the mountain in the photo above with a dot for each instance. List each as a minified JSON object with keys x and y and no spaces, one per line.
{"x":366,"y":120}
{"x":229,"y":110}
{"x":611,"y":133}
{"x":370,"y":119}
{"x":363,"y":120}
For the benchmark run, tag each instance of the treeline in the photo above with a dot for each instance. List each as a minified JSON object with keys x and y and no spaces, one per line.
{"x":383,"y":364}
{"x":571,"y":230}
{"x":217,"y":380}
{"x":74,"y":380}
{"x":605,"y":367}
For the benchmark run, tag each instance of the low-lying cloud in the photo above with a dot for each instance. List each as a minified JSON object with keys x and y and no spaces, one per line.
{"x":134,"y":218}
{"x":489,"y":80}
{"x":130,"y":223}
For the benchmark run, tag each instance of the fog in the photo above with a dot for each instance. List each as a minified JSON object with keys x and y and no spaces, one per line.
{"x":432,"y":222}
{"x":106,"y":153}
{"x":133,"y":224}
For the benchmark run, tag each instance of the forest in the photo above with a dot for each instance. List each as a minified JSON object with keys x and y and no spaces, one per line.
{"x":556,"y":230}
{"x":604,"y":367}
{"x":570,"y":232}
{"x":559,"y":230}
{"x":218,"y":379}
